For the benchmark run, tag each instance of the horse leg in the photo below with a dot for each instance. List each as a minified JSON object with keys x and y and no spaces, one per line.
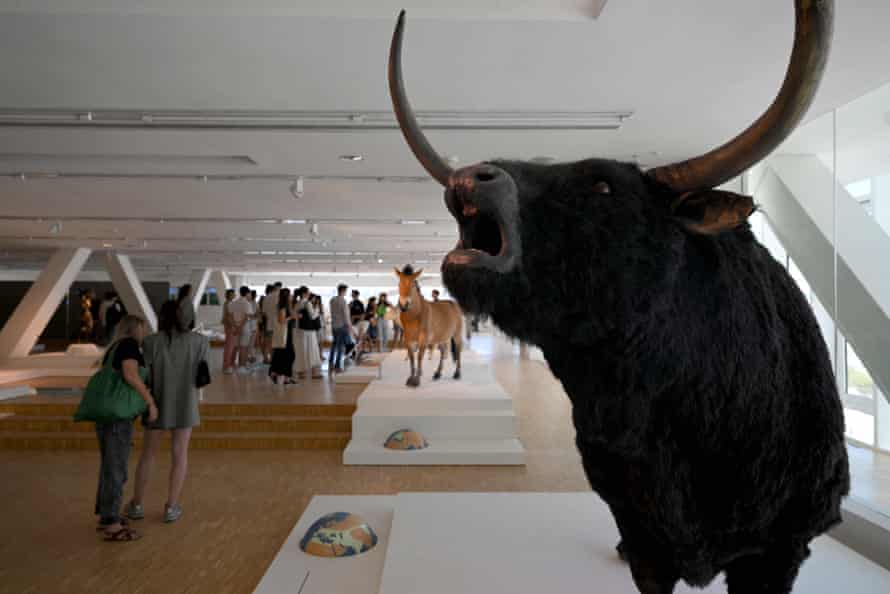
{"x":413,"y":380}
{"x":457,"y":346}
{"x":420,"y":362}
{"x":442,"y":351}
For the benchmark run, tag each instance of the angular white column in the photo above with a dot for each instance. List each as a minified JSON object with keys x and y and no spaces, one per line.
{"x":219,"y":280}
{"x":30,"y":318}
{"x":126,"y":282}
{"x":198,"y":281}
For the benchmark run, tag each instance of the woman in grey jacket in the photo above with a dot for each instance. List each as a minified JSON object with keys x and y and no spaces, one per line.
{"x":172,"y":357}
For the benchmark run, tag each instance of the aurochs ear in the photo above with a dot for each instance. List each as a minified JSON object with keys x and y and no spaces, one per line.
{"x":710,"y":212}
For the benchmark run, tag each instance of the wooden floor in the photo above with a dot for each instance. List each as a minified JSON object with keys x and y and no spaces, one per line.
{"x":240,"y":505}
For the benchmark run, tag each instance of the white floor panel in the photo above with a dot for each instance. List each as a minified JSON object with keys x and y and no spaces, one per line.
{"x":529,"y":543}
{"x":466,"y":421}
{"x":521,"y":543}
{"x":293,"y":571}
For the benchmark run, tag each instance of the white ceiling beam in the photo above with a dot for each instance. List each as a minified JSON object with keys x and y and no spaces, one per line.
{"x":488,"y":10}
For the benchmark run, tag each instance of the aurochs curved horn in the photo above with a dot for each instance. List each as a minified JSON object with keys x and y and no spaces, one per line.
{"x":812,"y":42}
{"x":420,"y":146}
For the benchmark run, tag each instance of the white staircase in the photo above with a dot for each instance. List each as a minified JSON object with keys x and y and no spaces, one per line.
{"x":470,"y":421}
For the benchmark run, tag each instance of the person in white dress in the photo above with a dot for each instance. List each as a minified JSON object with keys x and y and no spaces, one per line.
{"x":305,"y":338}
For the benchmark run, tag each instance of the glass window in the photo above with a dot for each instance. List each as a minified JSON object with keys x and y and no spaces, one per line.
{"x":210,"y":297}
{"x":860,"y":189}
{"x":859,"y":382}
{"x":859,"y":426}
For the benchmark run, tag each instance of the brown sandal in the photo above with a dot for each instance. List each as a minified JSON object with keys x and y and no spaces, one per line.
{"x":122,"y":535}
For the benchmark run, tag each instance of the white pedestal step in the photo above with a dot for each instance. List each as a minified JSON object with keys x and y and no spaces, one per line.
{"x":463,"y":452}
{"x":455,"y":424}
{"x":469,"y":421}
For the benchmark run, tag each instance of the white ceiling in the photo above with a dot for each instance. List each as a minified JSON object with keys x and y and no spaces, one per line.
{"x":694,"y":73}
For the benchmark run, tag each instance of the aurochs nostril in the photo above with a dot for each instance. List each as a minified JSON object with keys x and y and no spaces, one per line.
{"x":485,"y":176}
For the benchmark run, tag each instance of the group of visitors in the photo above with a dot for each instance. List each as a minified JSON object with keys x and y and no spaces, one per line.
{"x":293,"y":330}
{"x":292,"y":326}
{"x":377,"y":322}
{"x":165,"y":370}
{"x":285,"y":328}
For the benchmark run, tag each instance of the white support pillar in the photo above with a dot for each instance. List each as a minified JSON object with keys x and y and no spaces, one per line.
{"x":30,"y":318}
{"x":126,"y":282}
{"x":219,"y":280}
{"x":198,"y":281}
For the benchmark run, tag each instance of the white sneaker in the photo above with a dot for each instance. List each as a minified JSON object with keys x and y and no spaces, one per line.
{"x":228,"y":371}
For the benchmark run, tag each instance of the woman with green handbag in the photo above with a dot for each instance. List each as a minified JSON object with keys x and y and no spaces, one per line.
{"x":115,"y":396}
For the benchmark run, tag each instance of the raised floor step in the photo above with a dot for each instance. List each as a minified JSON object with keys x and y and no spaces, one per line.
{"x":74,"y":440}
{"x":30,"y":407}
{"x":209,"y":424}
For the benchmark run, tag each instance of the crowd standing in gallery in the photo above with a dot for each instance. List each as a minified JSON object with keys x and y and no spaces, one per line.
{"x":160,"y":375}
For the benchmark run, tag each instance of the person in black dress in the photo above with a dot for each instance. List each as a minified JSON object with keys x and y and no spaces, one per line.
{"x":281,"y":368}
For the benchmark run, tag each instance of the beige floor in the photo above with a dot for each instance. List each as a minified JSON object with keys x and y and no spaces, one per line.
{"x":240,"y":505}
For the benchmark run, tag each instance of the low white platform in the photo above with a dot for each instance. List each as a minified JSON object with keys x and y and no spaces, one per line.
{"x":470,"y":421}
{"x":521,"y":543}
{"x":53,"y":363}
{"x":26,"y":369}
{"x":294,"y":572}
{"x":16,"y":392}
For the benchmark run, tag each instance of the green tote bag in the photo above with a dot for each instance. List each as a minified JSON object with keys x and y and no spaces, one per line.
{"x":108,"y":397}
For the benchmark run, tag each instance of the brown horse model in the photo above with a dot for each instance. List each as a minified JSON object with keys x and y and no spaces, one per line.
{"x":427,"y":324}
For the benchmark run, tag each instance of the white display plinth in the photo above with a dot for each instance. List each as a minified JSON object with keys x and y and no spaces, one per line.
{"x":293,"y":571}
{"x":470,"y":421}
{"x":16,"y":392}
{"x":521,"y":543}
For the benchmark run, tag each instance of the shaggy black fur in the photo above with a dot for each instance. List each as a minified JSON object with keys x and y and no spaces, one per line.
{"x":706,"y":410}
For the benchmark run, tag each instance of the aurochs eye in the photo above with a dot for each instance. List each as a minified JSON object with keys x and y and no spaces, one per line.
{"x":602,"y":188}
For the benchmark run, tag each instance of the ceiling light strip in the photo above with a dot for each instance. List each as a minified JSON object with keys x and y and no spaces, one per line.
{"x":318,"y":120}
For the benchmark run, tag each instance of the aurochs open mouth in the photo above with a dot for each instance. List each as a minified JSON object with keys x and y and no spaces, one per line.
{"x":486,"y":218}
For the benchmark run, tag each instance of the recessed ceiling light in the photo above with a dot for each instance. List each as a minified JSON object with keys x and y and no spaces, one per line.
{"x":412,"y":222}
{"x":296,"y":188}
{"x":293,"y":221}
{"x":351,"y":157}
{"x":380,"y":260}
